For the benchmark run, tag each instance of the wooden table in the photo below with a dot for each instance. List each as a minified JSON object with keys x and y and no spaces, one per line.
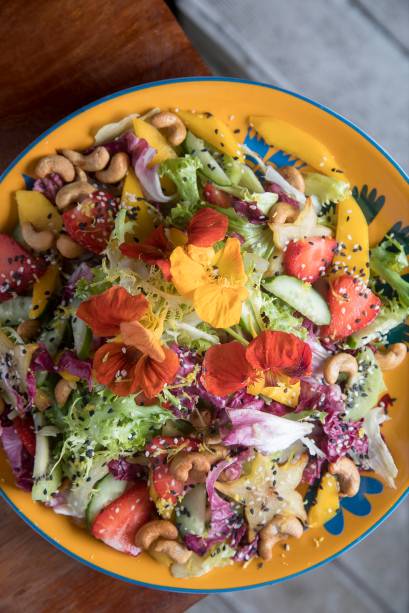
{"x":56,"y":55}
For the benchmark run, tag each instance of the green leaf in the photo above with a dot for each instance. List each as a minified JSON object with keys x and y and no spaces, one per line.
{"x":400,"y":233}
{"x":370,"y":203}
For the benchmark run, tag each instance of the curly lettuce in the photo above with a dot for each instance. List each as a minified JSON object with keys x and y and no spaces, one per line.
{"x":280,"y":316}
{"x":326,"y":189}
{"x":387,"y":261}
{"x":256,"y":238}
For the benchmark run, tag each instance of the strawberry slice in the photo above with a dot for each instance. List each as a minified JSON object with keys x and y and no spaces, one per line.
{"x":118,"y":523}
{"x":18,"y":268}
{"x":216,"y":196}
{"x":309,"y":258}
{"x":352,"y":305}
{"x":24,"y":427}
{"x":165,"y":486}
{"x":91,"y":222}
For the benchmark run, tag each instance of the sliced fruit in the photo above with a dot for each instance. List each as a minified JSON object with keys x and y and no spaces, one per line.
{"x":15,"y":310}
{"x":105,"y":491}
{"x":196,"y":147}
{"x":191,"y":512}
{"x":216,"y":196}
{"x":24,"y":427}
{"x":43,"y":289}
{"x":213,"y":131}
{"x":326,"y":504}
{"x":309,"y":259}
{"x":352,"y":305}
{"x":296,"y":141}
{"x":18,"y":268}
{"x":365,"y":389}
{"x":156,"y":139}
{"x":118,"y":523}
{"x":91,"y":222}
{"x":301,"y":296}
{"x":132,"y":198}
{"x":164,"y":489}
{"x":353,"y":240}
{"x":33,"y":207}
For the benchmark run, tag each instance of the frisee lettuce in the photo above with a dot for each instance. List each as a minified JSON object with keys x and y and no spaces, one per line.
{"x":280,"y":316}
{"x":326,"y":189}
{"x":387,"y":260}
{"x":256,"y":238}
{"x":183,"y":172}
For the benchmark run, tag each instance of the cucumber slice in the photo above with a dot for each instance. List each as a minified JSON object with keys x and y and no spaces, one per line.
{"x":106,"y":491}
{"x":82,"y":337}
{"x":81,"y":492}
{"x":44,"y":487}
{"x":233,"y":169}
{"x":45,"y":481}
{"x":15,"y":310}
{"x":248,"y":179}
{"x":53,"y":334}
{"x":191,"y":513}
{"x":212,"y":170}
{"x":301,"y":296}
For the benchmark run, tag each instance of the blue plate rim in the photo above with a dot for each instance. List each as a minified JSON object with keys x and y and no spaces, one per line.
{"x":123,"y":92}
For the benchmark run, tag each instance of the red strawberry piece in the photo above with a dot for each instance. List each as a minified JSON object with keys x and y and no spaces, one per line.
{"x":91,"y":222}
{"x":118,"y":523}
{"x":352,"y":305}
{"x":309,"y":258}
{"x":24,"y":427}
{"x":165,"y":485}
{"x":18,"y":268}
{"x":216,"y":196}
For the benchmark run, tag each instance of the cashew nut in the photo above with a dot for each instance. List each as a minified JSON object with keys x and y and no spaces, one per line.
{"x":28,"y":329}
{"x":177,"y":552}
{"x":116,"y":170}
{"x":200,"y":420}
{"x":73,"y":192}
{"x":39,"y":241}
{"x":176,"y":129}
{"x":153,"y":530}
{"x":80,"y":175}
{"x":63,"y":390}
{"x":55,"y":163}
{"x":340,"y":362}
{"x":293,"y":177}
{"x":96,"y":160}
{"x":184,"y":462}
{"x":275,"y":531}
{"x":282,"y":212}
{"x":41,"y":400}
{"x":348,"y":476}
{"x":394,"y":356}
{"x":68,"y":248}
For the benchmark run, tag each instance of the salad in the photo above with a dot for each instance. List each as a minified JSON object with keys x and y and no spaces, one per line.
{"x":193,"y":340}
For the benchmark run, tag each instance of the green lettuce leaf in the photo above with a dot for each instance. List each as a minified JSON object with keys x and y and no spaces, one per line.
{"x":387,"y":260}
{"x":326,"y":189}
{"x":280,"y":316}
{"x":257,"y":238}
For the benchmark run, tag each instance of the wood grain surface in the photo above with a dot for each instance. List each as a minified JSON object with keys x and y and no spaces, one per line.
{"x":57,"y":55}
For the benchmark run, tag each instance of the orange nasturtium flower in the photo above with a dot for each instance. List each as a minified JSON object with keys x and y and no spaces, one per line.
{"x":271,"y":365}
{"x":154,"y":250}
{"x":135,"y":360}
{"x":214,"y":281}
{"x":207,"y":227}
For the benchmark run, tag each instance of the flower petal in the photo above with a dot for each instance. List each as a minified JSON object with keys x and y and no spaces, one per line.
{"x":151,"y":375}
{"x":207,"y":227}
{"x":285,"y":393}
{"x":105,"y":312}
{"x":146,"y":341}
{"x":187,"y":275}
{"x":219,"y":306}
{"x":114,"y":366}
{"x":280,"y":352}
{"x":154,"y":251}
{"x":225,"y":369}
{"x":230,"y":263}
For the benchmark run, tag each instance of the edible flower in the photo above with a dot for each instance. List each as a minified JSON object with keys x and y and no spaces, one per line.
{"x":154,"y":250}
{"x":135,"y":359}
{"x":271,"y":365}
{"x":214,"y":281}
{"x":207,"y":227}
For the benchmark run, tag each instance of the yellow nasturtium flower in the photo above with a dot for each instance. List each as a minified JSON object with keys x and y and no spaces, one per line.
{"x":214,"y":281}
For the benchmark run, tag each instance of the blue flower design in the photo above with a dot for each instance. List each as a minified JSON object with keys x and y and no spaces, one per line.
{"x":256,"y":143}
{"x":28,"y":181}
{"x":358,"y":505}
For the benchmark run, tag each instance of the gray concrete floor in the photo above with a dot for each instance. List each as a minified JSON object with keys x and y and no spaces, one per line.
{"x":352,"y":55}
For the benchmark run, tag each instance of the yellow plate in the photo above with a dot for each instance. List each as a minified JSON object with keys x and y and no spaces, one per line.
{"x":366,"y":164}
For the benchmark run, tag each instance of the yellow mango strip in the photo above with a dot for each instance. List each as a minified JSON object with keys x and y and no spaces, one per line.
{"x":353,"y":241}
{"x":35,"y":208}
{"x":326,"y":504}
{"x":214,"y":131}
{"x":297,"y":142}
{"x":132,"y":198}
{"x":156,"y":139}
{"x":43,"y":289}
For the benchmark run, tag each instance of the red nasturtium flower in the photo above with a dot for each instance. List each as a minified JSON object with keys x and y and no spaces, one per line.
{"x":207,"y":227}
{"x":136,"y":360}
{"x":272,"y":355}
{"x":154,"y":250}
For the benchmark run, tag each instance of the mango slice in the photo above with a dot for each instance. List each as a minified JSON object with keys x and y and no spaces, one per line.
{"x":132,"y":198}
{"x":214,"y":131}
{"x":43,"y":289}
{"x":156,"y":139}
{"x":352,"y":235}
{"x":326,"y":504}
{"x":35,"y":208}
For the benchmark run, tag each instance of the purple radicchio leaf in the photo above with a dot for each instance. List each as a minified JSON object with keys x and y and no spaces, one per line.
{"x":123,"y":470}
{"x":249,"y":210}
{"x":282,"y":195}
{"x":20,"y":460}
{"x":49,"y":185}
{"x":79,"y":368}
